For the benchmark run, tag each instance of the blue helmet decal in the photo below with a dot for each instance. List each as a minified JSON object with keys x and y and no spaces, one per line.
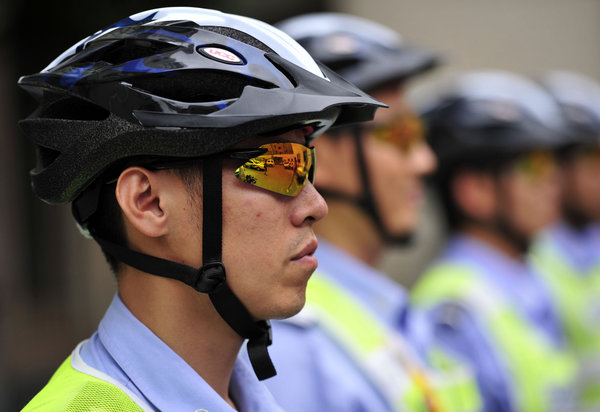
{"x":68,"y":80}
{"x":76,"y":48}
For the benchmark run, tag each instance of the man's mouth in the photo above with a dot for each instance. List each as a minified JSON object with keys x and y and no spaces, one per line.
{"x":308,"y":250}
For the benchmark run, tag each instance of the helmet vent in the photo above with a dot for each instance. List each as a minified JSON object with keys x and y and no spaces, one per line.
{"x":283,"y":70}
{"x":45,"y":156}
{"x":126,"y":50}
{"x":195,"y":86}
{"x":239,"y":35}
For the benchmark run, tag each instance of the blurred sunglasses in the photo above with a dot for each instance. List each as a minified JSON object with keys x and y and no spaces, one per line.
{"x":283,"y":168}
{"x":536,"y":164}
{"x":405,"y":132}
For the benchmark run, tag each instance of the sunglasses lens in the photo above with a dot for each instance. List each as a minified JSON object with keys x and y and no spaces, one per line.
{"x":536,"y":164}
{"x":284,"y":168}
{"x":406,"y":132}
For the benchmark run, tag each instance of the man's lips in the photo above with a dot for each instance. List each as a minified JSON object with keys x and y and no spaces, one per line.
{"x":308,"y":250}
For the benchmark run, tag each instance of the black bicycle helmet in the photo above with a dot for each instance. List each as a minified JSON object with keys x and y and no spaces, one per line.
{"x":485,"y":115}
{"x":177,"y":83}
{"x":579,"y":98}
{"x":364,"y":52}
{"x":371,"y":56}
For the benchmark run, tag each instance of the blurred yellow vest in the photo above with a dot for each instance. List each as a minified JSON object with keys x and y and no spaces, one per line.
{"x":385,"y":358}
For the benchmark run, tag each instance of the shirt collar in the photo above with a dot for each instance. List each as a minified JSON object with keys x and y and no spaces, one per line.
{"x":163,"y":377}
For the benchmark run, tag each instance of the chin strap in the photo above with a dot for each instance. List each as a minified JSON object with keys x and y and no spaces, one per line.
{"x":502,"y":225}
{"x":224,"y":300}
{"x":210,"y":278}
{"x":366,"y":201}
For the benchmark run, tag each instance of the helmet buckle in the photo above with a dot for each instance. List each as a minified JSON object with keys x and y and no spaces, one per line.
{"x":210,"y":277}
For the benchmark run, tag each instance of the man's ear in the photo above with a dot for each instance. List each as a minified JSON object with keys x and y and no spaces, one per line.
{"x":138,"y":194}
{"x":475,"y":194}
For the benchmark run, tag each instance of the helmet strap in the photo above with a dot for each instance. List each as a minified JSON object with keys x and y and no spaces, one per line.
{"x":222,"y":297}
{"x":502,"y":224}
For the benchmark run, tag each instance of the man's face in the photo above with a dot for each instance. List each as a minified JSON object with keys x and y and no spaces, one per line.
{"x":268,"y":240}
{"x":581,"y":183}
{"x":396,"y":171}
{"x":529,"y":193}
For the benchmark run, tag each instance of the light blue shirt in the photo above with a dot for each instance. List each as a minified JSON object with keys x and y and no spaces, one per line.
{"x":579,"y":248}
{"x":129,"y":352}
{"x":313,"y":372}
{"x":463,"y":333}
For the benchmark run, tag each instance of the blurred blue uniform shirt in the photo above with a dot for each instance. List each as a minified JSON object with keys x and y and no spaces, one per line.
{"x":129,"y":352}
{"x":313,"y":372}
{"x":581,"y":249}
{"x":454,"y":329}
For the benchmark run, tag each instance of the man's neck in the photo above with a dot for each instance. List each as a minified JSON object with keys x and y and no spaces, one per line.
{"x":350,"y":229}
{"x":187,"y":322}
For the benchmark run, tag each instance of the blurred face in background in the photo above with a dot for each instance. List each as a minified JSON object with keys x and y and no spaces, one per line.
{"x":397,"y":159}
{"x":581,"y":184}
{"x":529,"y":193}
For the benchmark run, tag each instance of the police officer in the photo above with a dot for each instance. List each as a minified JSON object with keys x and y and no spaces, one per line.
{"x":149,"y":128}
{"x":347,"y":350}
{"x":494,"y":132}
{"x":568,"y":254}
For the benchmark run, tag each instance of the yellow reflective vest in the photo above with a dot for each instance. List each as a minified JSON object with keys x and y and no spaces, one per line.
{"x":578,"y":301}
{"x":384,"y":356}
{"x":543,"y":376}
{"x":76,"y":387}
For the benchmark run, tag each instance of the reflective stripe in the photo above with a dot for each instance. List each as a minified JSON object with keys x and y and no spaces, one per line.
{"x":456,"y":384}
{"x":543,"y":376}
{"x":77,"y":387}
{"x":384,"y":357}
{"x":578,"y":298}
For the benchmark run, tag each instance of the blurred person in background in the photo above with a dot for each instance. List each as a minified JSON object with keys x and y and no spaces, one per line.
{"x":494,"y":133}
{"x":150,"y":128}
{"x":347,"y":350}
{"x":568,"y":253}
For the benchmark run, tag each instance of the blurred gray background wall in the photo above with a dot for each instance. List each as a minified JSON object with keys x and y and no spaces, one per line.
{"x":54,"y":285}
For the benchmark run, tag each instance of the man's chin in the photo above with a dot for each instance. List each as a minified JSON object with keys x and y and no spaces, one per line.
{"x":293,"y":307}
